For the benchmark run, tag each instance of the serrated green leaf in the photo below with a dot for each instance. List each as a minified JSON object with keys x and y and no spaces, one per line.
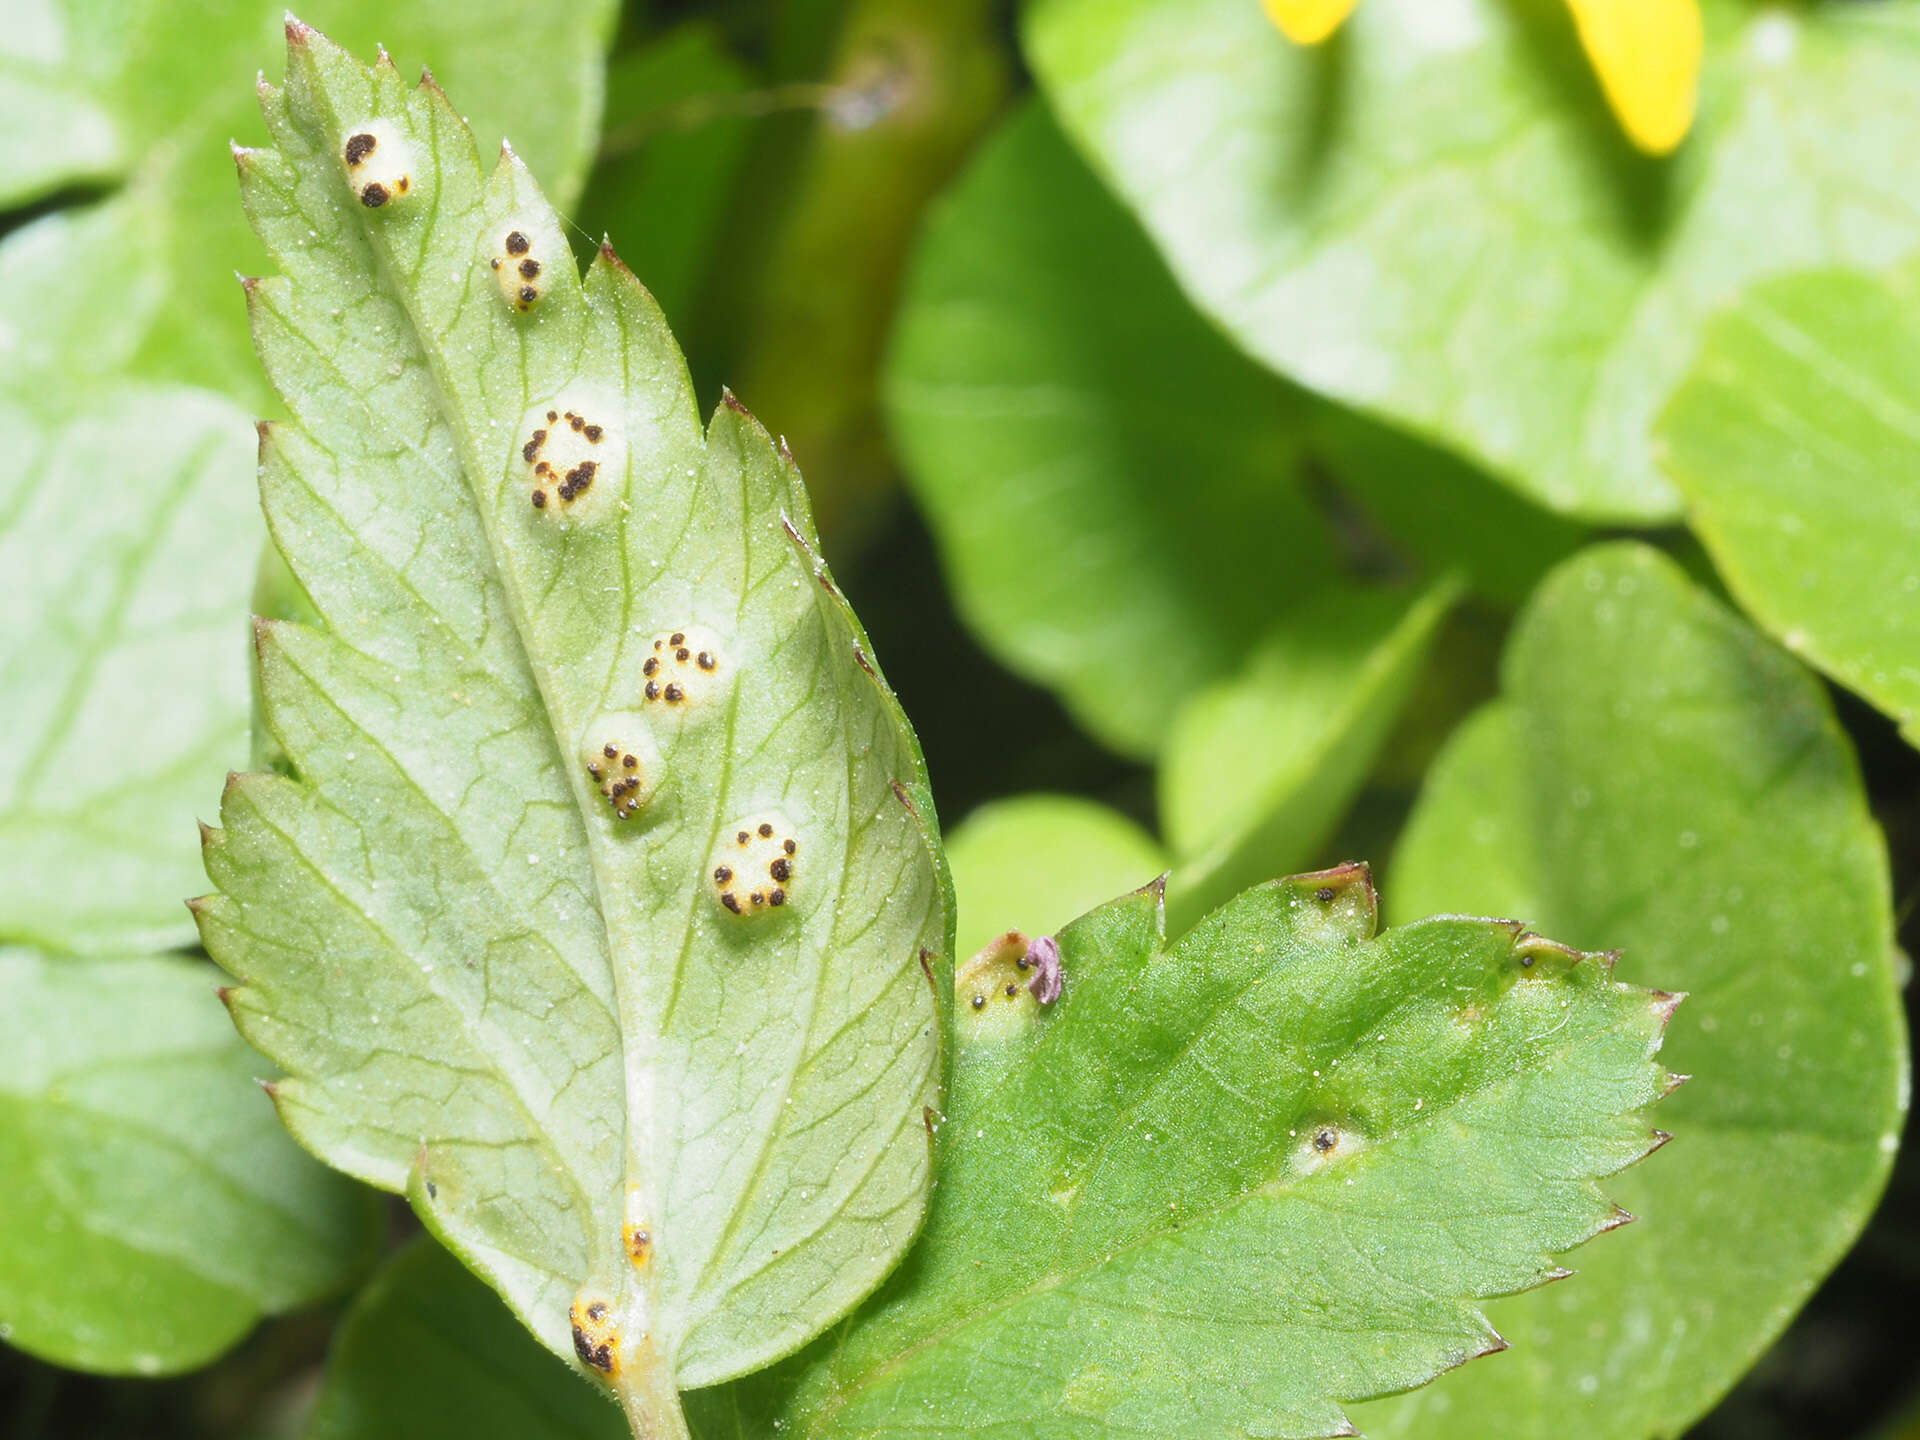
{"x":1797,"y":444}
{"x":1259,"y":768}
{"x":504,"y":979}
{"x":1434,"y":218}
{"x":1034,"y":862}
{"x":1112,"y":487}
{"x":1223,"y":1186}
{"x":1659,"y":775}
{"x":429,"y":1353}
{"x":153,"y":1209}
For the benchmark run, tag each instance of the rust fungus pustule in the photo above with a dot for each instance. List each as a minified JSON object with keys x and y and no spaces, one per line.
{"x":637,"y":1240}
{"x":520,"y":256}
{"x":622,"y":763}
{"x":573,"y":457}
{"x":683,"y":668}
{"x":1002,"y":983}
{"x":379,"y":163}
{"x":755,"y":866}
{"x":596,"y":1334}
{"x":1324,"y":1142}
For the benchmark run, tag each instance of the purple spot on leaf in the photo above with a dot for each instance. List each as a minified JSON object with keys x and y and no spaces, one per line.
{"x":1043,"y":956}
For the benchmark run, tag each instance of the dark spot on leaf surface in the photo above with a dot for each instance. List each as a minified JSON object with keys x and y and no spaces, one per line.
{"x":518,"y":244}
{"x":374,"y":196}
{"x":359,"y":147}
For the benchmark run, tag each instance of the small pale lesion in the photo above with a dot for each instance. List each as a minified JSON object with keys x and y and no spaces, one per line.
{"x":519,"y":261}
{"x":683,"y":668}
{"x":755,"y":865}
{"x":1002,"y":977}
{"x":572,"y":458}
{"x":379,"y":163}
{"x":622,"y":764}
{"x":596,"y":1334}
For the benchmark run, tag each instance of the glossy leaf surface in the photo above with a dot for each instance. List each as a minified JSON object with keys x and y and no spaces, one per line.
{"x":1797,"y":443}
{"x":1112,"y":487}
{"x":1436,"y":219}
{"x":153,"y":1209}
{"x":1659,"y":775}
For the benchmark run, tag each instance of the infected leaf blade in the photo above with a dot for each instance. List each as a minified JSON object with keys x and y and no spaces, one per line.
{"x":601,"y":803}
{"x":1227,"y":1185}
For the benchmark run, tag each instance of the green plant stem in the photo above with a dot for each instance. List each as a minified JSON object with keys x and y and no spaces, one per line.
{"x":649,"y":1397}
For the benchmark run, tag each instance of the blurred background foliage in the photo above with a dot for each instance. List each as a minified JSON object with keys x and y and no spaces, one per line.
{"x":1232,"y":449}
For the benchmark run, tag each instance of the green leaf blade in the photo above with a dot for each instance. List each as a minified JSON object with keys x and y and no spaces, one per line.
{"x":1114,"y":489}
{"x":1344,"y":210}
{"x":155,"y":1211}
{"x":100,"y":603}
{"x":707,"y":1122}
{"x":1232,"y":1183}
{"x":1796,"y":441}
{"x":1659,"y":774}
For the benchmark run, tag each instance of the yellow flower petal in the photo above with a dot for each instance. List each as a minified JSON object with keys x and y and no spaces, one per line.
{"x":1308,"y":22}
{"x":1647,"y":53}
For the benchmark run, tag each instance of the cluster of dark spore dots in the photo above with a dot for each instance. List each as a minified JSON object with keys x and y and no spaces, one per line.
{"x":525,"y":270}
{"x":619,"y":777}
{"x":673,"y":692}
{"x":574,"y":482}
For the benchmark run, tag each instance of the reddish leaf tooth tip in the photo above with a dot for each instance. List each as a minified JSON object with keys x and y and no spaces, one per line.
{"x":1558,"y":1272}
{"x":1674,"y":1082}
{"x":1620,"y":1216}
{"x":1659,"y":1139}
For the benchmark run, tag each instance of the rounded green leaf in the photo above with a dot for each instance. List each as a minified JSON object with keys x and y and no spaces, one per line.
{"x":123,"y":687}
{"x":429,"y":1353}
{"x":1112,"y":487}
{"x":123,"y":677}
{"x":1661,"y":779}
{"x":153,"y":1208}
{"x":1435,"y":218}
{"x":1797,"y":444}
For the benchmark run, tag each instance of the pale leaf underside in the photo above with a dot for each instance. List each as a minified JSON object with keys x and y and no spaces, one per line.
{"x":679,"y":1140}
